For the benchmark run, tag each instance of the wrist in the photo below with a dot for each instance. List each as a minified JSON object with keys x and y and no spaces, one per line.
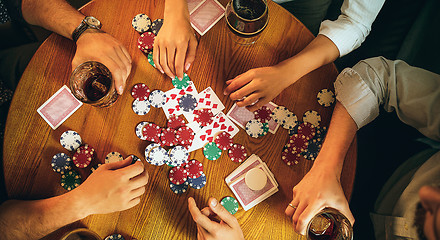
{"x":80,"y":203}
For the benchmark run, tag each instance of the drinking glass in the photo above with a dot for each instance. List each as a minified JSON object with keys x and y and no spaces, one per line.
{"x":329,"y":224}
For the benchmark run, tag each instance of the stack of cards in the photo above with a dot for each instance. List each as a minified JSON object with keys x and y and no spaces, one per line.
{"x":252,"y":182}
{"x":204,"y":14}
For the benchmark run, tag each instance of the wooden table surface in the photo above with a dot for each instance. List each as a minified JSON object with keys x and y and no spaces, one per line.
{"x":30,"y":143}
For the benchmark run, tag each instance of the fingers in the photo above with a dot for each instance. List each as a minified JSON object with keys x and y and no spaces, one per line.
{"x":218,"y":209}
{"x":238,"y":83}
{"x":191,"y":53}
{"x":140,"y":180}
{"x":290,"y":210}
{"x":261,"y":102}
{"x":171,"y":54}
{"x":198,"y":217}
{"x":156,"y":58}
{"x":180,"y":60}
{"x":305,"y":217}
{"x":133,"y":170}
{"x":137,"y":192}
{"x":117,"y":165}
{"x":164,"y":62}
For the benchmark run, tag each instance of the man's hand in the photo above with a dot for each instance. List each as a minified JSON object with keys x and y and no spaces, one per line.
{"x":113,"y":187}
{"x":94,"y":45}
{"x":227,"y":228}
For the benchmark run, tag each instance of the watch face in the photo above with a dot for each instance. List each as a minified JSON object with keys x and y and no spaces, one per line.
{"x":92,"y":21}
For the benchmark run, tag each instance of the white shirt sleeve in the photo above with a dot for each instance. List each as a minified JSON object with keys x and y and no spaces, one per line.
{"x":353,"y":25}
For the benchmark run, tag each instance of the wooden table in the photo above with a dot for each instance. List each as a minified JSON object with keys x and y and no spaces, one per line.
{"x":30,"y":142}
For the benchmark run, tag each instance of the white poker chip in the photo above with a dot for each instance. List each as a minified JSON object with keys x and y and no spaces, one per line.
{"x":312,"y":117}
{"x":113,"y":157}
{"x":325,"y":97}
{"x":141,"y":107}
{"x":70,"y":140}
{"x":279,"y":114}
{"x":157,"y":98}
{"x":141,"y":23}
{"x":255,"y":179}
{"x":290,"y":121}
{"x":158,"y":156}
{"x":148,"y":149}
{"x":139,"y":128}
{"x":254,"y":128}
{"x":178,"y":155}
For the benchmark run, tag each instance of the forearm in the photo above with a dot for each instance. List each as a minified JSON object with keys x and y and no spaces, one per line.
{"x":177,"y":9}
{"x":54,"y":15}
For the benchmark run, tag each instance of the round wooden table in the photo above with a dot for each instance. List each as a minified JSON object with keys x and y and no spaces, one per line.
{"x":30,"y":143}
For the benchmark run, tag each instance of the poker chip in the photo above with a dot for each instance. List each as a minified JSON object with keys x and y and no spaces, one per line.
{"x":168,"y":137}
{"x":113,"y":157}
{"x":307,"y":130}
{"x":148,"y":149}
{"x":139,"y":130}
{"x":175,"y":122}
{"x":294,"y":130}
{"x":185,"y":135}
{"x":211,"y":151}
{"x":70,"y":180}
{"x":297,"y":143}
{"x":61,"y":162}
{"x":197,"y":183}
{"x":263,"y":114}
{"x":146,"y":42}
{"x":151,"y":132}
{"x":290,"y":121}
{"x":158,"y":156}
{"x":230,"y":204}
{"x":134,"y":159}
{"x":115,"y":236}
{"x":178,"y":155}
{"x":312,"y":117}
{"x":83,"y":156}
{"x":140,"y":92}
{"x":223,"y":140}
{"x":156,"y":26}
{"x":150,"y":59}
{"x":178,"y":175}
{"x":320,"y":133}
{"x":254,"y":128}
{"x":255,"y":179}
{"x":181,"y":84}
{"x":188,"y":102}
{"x":141,"y":107}
{"x":312,"y":150}
{"x":141,"y":23}
{"x":237,"y":153}
{"x":290,"y":156}
{"x":157,"y":98}
{"x":194,"y":168}
{"x":265,"y":130}
{"x":179,"y":189}
{"x":325,"y":97}
{"x":279,"y":114}
{"x":204,"y":116}
{"x":70,"y":140}
{"x":95,"y":167}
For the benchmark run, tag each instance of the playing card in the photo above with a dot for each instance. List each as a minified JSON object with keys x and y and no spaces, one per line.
{"x":172,"y":107}
{"x":59,"y":107}
{"x":208,"y":99}
{"x":240,"y":116}
{"x":206,"y":15}
{"x":193,"y":4}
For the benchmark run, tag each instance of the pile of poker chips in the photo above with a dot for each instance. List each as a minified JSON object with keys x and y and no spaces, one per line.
{"x":144,"y":98}
{"x":189,"y":175}
{"x":148,"y":30}
{"x":259,"y":126}
{"x":223,"y":141}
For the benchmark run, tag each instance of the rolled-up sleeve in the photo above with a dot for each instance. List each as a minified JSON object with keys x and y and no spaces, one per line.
{"x":353,"y":25}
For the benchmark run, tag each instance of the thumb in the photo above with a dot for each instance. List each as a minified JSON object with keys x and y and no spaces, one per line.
{"x":118,"y":164}
{"x":221,"y":212}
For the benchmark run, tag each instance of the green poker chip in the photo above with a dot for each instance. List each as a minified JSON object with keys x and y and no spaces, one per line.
{"x":181,"y":84}
{"x":70,"y":180}
{"x":265,"y":130}
{"x":150,"y":59}
{"x":230,"y":204}
{"x":211,"y":151}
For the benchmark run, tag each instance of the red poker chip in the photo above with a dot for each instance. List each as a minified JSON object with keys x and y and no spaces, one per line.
{"x":140,"y":91}
{"x":237,"y":153}
{"x":194,"y":168}
{"x":204,"y":116}
{"x":152,"y":132}
{"x":178,"y":175}
{"x":263,"y":114}
{"x":297,"y":143}
{"x":175,"y":122}
{"x":290,"y":157}
{"x":185,"y":135}
{"x":223,"y":140}
{"x":146,"y":41}
{"x":168,"y":137}
{"x":307,"y":130}
{"x":83,"y":156}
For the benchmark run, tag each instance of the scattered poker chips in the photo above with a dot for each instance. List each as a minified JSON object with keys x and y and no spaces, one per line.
{"x":194,"y":168}
{"x":113,"y":157}
{"x":223,"y":140}
{"x":70,"y":140}
{"x":290,"y":121}
{"x":83,"y":156}
{"x":181,"y":84}
{"x":115,"y":236}
{"x":150,"y":59}
{"x":141,"y":107}
{"x":184,"y":135}
{"x":325,"y":97}
{"x":211,"y":151}
{"x":263,"y":114}
{"x":139,"y":130}
{"x":254,"y":128}
{"x":204,"y":116}
{"x":141,"y":23}
{"x":298,"y":143}
{"x":294,"y":129}
{"x":179,"y":189}
{"x":140,"y":91}
{"x":70,"y":180}
{"x":290,"y":156}
{"x":156,"y":26}
{"x":188,"y":102}
{"x":312,"y":117}
{"x":279,"y":114}
{"x":168,"y":137}
{"x":151,"y":132}
{"x":237,"y":153}
{"x":178,"y":155}
{"x":230,"y":204}
{"x":157,"y":98}
{"x":178,"y":175}
{"x":148,"y":149}
{"x":146,"y":42}
{"x":312,"y":150}
{"x":158,"y":156}
{"x":307,"y":130}
{"x":61,"y":162}
{"x":175,"y":122}
{"x":197,"y":183}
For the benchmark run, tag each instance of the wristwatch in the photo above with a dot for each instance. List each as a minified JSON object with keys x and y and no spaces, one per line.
{"x":86,"y":23}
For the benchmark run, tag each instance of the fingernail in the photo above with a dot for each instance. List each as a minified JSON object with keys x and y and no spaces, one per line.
{"x":121,"y":89}
{"x":214,"y":202}
{"x":224,"y":93}
{"x":180,"y":79}
{"x":187,"y":66}
{"x":161,"y":71}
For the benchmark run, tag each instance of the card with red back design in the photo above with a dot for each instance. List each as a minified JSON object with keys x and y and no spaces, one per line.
{"x":193,"y":4}
{"x":240,"y":116}
{"x":205,"y":15}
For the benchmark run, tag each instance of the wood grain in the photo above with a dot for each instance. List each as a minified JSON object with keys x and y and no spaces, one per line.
{"x":30,"y":142}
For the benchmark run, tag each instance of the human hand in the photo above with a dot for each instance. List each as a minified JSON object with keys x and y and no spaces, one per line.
{"x":175,"y":46}
{"x":227,"y":228}
{"x":257,"y":87}
{"x":113,"y":187}
{"x":308,"y":201}
{"x":94,"y":45}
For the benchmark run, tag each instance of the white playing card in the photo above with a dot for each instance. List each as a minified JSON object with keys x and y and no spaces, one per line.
{"x":59,"y":107}
{"x":241,"y":116}
{"x":204,"y":16}
{"x":208,"y":99}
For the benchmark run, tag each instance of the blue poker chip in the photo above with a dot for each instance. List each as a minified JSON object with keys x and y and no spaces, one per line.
{"x":197,"y":183}
{"x":179,"y":189}
{"x":70,"y":140}
{"x":157,"y":98}
{"x":95,"y":167}
{"x":115,"y":236}
{"x":188,"y":102}
{"x":320,"y":133}
{"x":156,"y":26}
{"x":312,"y":150}
{"x":294,"y":130}
{"x":61,"y":162}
